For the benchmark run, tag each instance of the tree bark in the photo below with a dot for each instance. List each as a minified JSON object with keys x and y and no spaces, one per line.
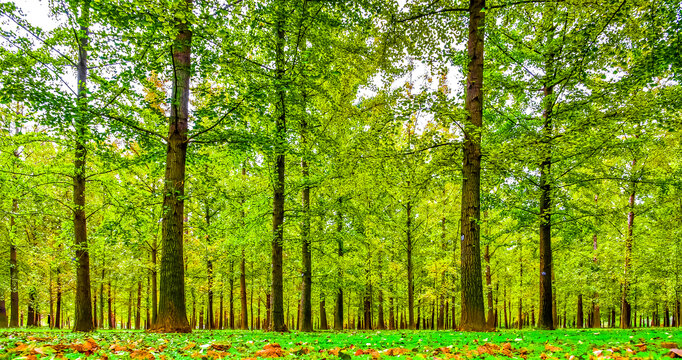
{"x":489,"y":289}
{"x":83,"y":302}
{"x":306,"y":290}
{"x":231,"y":295}
{"x":625,"y":309}
{"x":410,"y":270}
{"x":154,"y":285}
{"x":209,"y":275}
{"x":13,"y":271}
{"x":323,"y":313}
{"x":338,"y":313}
{"x":31,"y":313}
{"x":242,"y":293}
{"x":277,"y":296}
{"x":579,"y":317}
{"x":473,"y":316}
{"x":596,"y":316}
{"x":138,"y":315}
{"x":520,"y":315}
{"x":172,"y":313}
{"x":545,"y":317}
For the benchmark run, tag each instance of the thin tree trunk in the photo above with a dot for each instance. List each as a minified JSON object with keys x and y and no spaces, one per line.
{"x":410,"y":270}
{"x":242,"y":293}
{"x":306,"y":290}
{"x":129,"y":323}
{"x":231,"y":295}
{"x":154,"y":275}
{"x":489,"y":286}
{"x":101,"y":300}
{"x":545,"y":313}
{"x":338,"y":313}
{"x":83,"y":302}
{"x":209,"y":276}
{"x":277,"y":296}
{"x":520,"y":315}
{"x":625,"y":315}
{"x":579,"y":318}
{"x":110,"y":314}
{"x":138,"y":315}
{"x":13,"y":271}
{"x":596,"y":316}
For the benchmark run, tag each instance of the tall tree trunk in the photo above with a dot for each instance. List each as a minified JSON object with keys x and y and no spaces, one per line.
{"x":625,"y":314}
{"x":110,"y":314}
{"x":30,"y":313}
{"x":277,"y":296}
{"x":172,"y":313}
{"x":83,"y":302}
{"x":13,"y":271}
{"x":545,"y":313}
{"x":410,"y":270}
{"x":473,"y":316}
{"x":381,"y":325}
{"x":242,"y":293}
{"x":520,"y":315}
{"x":94,"y":310}
{"x":231,"y":295}
{"x":579,"y":317}
{"x":306,"y":290}
{"x":367,"y":307}
{"x":489,"y":289}
{"x":596,"y":316}
{"x":138,"y":315}
{"x":101,"y":300}
{"x":506,"y":319}
{"x":130,"y":310}
{"x":209,"y":275}
{"x":338,"y":313}
{"x":58,"y":303}
{"x":154,"y":275}
{"x":323,"y":313}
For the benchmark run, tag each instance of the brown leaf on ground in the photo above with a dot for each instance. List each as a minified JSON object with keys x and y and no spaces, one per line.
{"x":116,"y":347}
{"x":301,"y":351}
{"x":21,"y":347}
{"x":270,"y":351}
{"x":141,"y":355}
{"x":334,"y":351}
{"x":220,"y":347}
{"x":211,"y":354}
{"x":669,"y":345}
{"x":35,"y":338}
{"x":401,"y":351}
{"x":88,"y":347}
{"x":551,"y":348}
{"x":506,"y":350}
{"x":374,"y":353}
{"x":488,"y":348}
{"x":189,"y":346}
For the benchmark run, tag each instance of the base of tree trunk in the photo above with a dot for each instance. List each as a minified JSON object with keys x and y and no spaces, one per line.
{"x":169,"y":326}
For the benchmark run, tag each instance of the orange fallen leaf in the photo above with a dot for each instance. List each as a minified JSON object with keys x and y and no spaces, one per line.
{"x":270,"y":351}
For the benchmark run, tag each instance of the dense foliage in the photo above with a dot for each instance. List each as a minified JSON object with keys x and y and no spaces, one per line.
{"x":375,"y":164}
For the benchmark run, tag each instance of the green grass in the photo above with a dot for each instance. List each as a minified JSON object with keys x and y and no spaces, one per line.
{"x":416,"y":345}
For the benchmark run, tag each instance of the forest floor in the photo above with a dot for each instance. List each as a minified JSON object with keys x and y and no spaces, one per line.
{"x":361,"y":345}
